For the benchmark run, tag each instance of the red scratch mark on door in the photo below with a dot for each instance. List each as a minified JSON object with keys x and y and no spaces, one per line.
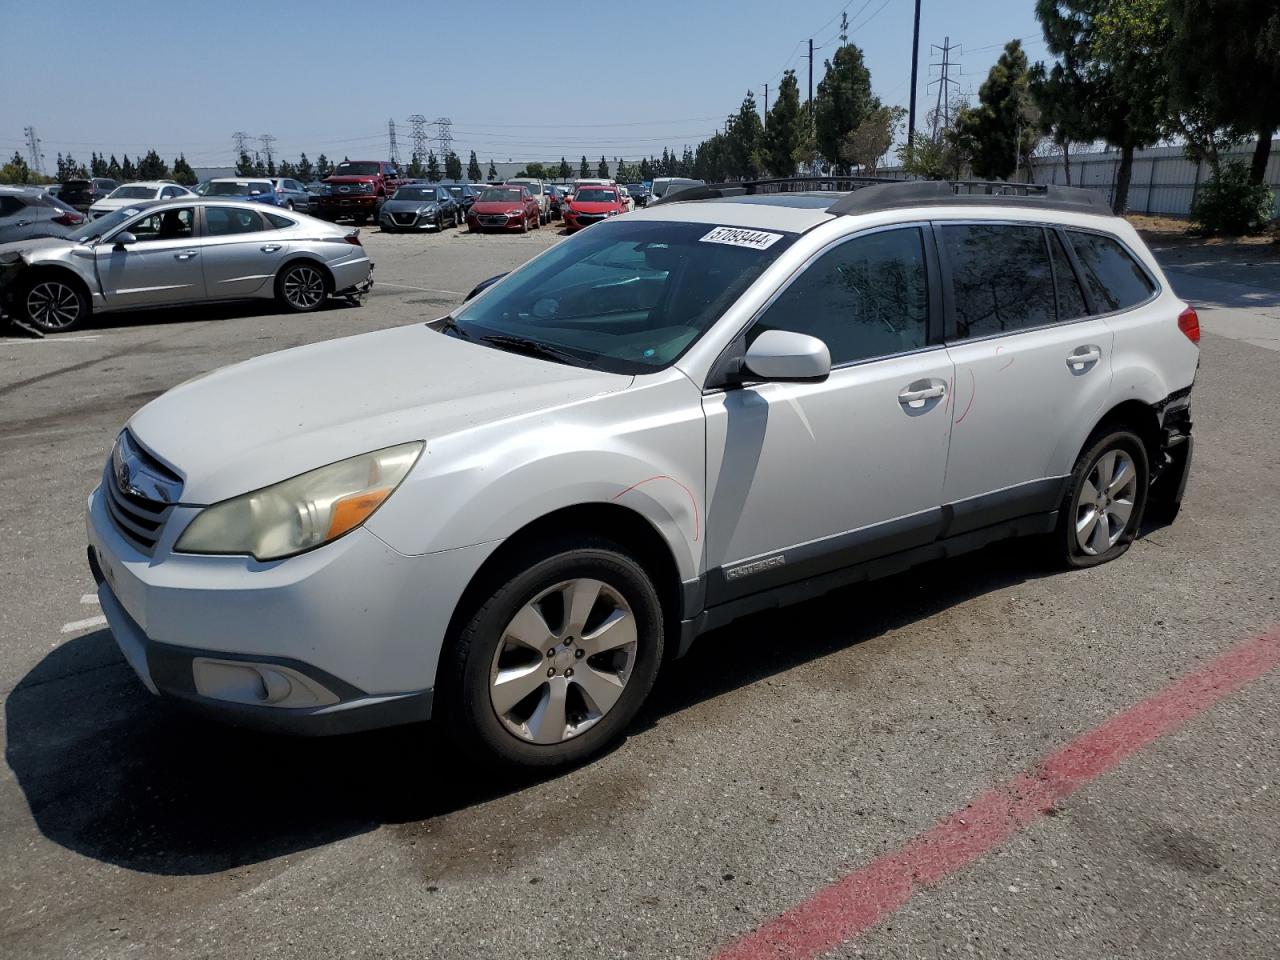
{"x":697,"y":523}
{"x":973,"y":392}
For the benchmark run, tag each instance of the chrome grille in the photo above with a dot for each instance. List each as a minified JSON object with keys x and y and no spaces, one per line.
{"x":405,"y":219}
{"x":139,"y":493}
{"x":488,"y":220}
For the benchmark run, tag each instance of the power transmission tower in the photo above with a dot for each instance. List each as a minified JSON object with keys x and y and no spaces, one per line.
{"x":34,"y":151}
{"x":241,"y":140}
{"x":393,"y":148}
{"x":444,"y":135}
{"x":419,"y":138}
{"x":266,"y":140}
{"x":944,"y":82}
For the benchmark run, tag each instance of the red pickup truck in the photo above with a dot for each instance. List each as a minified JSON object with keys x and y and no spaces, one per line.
{"x":356,"y":189}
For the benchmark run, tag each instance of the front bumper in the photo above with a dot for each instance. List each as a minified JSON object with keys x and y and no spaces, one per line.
{"x":491,"y":221}
{"x":343,"y":638}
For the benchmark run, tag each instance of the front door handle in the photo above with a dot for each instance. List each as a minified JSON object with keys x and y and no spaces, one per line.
{"x":1081,"y":357}
{"x":270,"y":247}
{"x":922,"y":390}
{"x":184,"y":255}
{"x":24,"y":223}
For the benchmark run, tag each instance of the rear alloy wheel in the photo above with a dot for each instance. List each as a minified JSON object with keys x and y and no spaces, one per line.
{"x":558,"y":661}
{"x":301,"y":288}
{"x":1104,"y":504}
{"x":54,"y":305}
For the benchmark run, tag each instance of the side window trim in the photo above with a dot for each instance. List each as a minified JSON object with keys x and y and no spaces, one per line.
{"x":1156,"y":289}
{"x":931,"y":277}
{"x":1077,"y":269}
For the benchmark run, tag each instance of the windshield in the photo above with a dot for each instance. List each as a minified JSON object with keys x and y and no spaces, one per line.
{"x":456,"y":191}
{"x":133,"y":193}
{"x":239,"y":188}
{"x":635,"y":188}
{"x":594,"y":195}
{"x":92,"y":229}
{"x":624,"y":297}
{"x":356,"y":168}
{"x":499,"y":195}
{"x":415,"y":193}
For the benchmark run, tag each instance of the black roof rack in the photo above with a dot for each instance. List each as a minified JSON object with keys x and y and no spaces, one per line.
{"x":868,"y":194}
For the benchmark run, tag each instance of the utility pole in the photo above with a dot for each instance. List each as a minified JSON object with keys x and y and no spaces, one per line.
{"x":393,"y":148}
{"x":945,"y":83}
{"x":419,"y":123}
{"x":811,"y":83}
{"x":766,"y":100}
{"x":34,"y":151}
{"x":266,"y":140}
{"x":915,"y":68}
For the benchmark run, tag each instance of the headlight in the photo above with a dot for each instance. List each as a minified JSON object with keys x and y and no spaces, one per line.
{"x":303,"y":512}
{"x":515,"y":213}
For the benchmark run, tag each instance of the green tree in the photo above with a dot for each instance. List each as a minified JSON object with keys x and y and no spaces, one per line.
{"x":127,"y":169}
{"x":782,"y":128}
{"x":842,"y":101}
{"x":1112,"y":54}
{"x":1061,"y":105}
{"x":1223,"y":59}
{"x":259,"y":165}
{"x":287,"y":169}
{"x":473,"y":168}
{"x":244,"y":165}
{"x":151,"y":167}
{"x":868,"y":144}
{"x":305,"y":170}
{"x":452,"y":166}
{"x":1005,"y":125}
{"x":98,"y":165}
{"x":602,"y":168}
{"x":114,"y":170}
{"x":565,"y":170}
{"x":584,"y":169}
{"x":493,"y":171}
{"x":16,"y":170}
{"x":183,"y":173}
{"x":646,"y":169}
{"x":537,"y":171}
{"x":323,"y":167}
{"x":433,"y":167}
{"x":744,"y":134}
{"x":416,"y":169}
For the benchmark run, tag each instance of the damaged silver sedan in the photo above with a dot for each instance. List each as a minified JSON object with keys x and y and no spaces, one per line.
{"x":177,"y":252}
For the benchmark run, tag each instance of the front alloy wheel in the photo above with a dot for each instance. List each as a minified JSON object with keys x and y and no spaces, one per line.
{"x":54,"y":305}
{"x":301,"y":288}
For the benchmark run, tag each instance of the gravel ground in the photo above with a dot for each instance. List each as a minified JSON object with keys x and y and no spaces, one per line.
{"x":783,"y":752}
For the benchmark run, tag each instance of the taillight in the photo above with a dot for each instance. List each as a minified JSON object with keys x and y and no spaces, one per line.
{"x":1189,"y":324}
{"x":353,"y":238}
{"x":69,"y":219}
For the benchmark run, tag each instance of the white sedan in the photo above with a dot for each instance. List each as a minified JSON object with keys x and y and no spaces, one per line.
{"x":132,"y":193}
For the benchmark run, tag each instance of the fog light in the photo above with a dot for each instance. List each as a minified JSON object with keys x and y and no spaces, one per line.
{"x":265,"y":684}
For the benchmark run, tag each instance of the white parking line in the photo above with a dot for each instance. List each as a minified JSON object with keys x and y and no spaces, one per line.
{"x":14,"y":341}
{"x":75,"y":626}
{"x":90,"y":598}
{"x":405,"y":286}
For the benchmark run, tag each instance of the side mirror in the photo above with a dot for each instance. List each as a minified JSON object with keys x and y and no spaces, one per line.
{"x":123,"y":239}
{"x":786,"y":355}
{"x":482,"y":286}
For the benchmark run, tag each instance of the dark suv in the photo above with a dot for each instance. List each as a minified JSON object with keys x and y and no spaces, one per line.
{"x":82,"y":194}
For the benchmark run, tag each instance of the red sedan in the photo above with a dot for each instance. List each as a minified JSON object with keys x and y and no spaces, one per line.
{"x":592,"y":204}
{"x":504,"y":208}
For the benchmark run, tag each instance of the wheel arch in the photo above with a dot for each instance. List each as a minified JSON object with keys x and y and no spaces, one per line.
{"x":629,"y":528}
{"x":296,"y":258}
{"x":1136,"y":415}
{"x":39,"y":271}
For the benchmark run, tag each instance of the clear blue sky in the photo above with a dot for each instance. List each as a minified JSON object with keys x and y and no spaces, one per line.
{"x":326,"y":76}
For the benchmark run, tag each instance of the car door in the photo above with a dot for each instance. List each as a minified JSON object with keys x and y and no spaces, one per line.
{"x":161,"y":266}
{"x":806,"y":478}
{"x":1031,"y":366}
{"x":241,"y":251}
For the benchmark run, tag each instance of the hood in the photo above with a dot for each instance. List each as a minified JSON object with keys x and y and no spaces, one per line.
{"x":262,"y":421}
{"x":18,"y":248}
{"x":353,"y":178}
{"x":595,"y":206}
{"x":410,"y":206}
{"x":496,"y":206}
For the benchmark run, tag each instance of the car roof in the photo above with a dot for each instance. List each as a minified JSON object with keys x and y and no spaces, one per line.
{"x":730,"y":212}
{"x":20,"y":189}
{"x":251,"y":179}
{"x":158,"y":184}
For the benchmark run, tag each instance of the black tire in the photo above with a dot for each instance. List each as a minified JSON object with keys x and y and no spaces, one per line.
{"x":296,"y":289}
{"x":288,"y":205}
{"x":439,"y":223}
{"x":524,"y":223}
{"x":53,"y":304}
{"x":463,"y":682}
{"x":1078,"y":503}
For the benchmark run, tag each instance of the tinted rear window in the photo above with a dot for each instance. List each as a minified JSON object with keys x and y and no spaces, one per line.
{"x":1000,"y":277}
{"x":1113,"y":277}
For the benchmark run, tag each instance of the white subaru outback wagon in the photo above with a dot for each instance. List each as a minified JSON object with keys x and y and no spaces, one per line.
{"x":730,"y":400}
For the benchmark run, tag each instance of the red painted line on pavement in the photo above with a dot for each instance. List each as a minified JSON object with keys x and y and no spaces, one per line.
{"x":856,"y":902}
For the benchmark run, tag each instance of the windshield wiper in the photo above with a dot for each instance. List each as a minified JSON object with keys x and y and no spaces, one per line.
{"x":533,"y":348}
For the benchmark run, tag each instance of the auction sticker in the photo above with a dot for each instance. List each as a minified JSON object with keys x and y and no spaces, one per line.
{"x":738,"y":237}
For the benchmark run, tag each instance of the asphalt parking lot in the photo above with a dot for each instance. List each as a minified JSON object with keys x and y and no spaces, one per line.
{"x":799,"y":786}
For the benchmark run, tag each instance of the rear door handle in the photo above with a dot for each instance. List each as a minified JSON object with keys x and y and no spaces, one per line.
{"x":24,"y":223}
{"x":922,"y":390}
{"x":184,"y":255}
{"x":270,"y":247}
{"x":1082,"y":356}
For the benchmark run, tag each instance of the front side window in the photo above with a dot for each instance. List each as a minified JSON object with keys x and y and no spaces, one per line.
{"x":1112,"y":275}
{"x":623,"y":297}
{"x":1001,"y":279}
{"x":228,"y":221}
{"x":164,"y":225}
{"x":869,"y":297}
